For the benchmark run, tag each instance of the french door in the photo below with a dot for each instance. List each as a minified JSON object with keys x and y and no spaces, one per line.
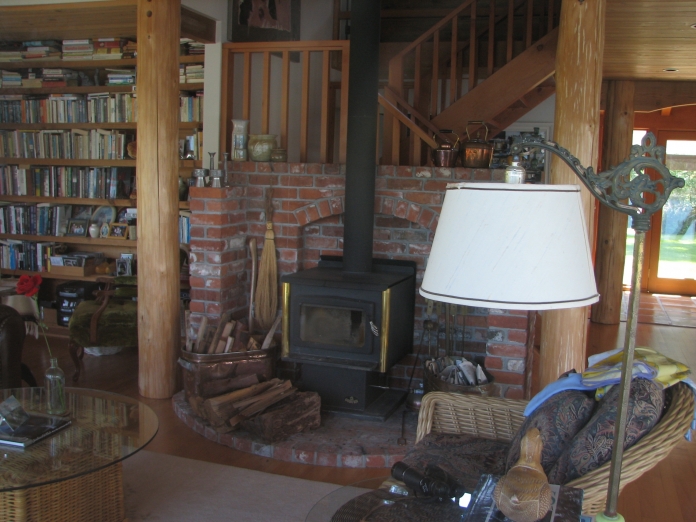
{"x":670,"y":247}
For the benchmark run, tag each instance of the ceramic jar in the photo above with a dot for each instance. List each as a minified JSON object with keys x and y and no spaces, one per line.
{"x":279,"y":155}
{"x":94,"y":230}
{"x":260,"y":146}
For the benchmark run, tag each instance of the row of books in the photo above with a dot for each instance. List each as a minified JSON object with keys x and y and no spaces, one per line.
{"x":191,"y":107}
{"x":191,"y":73}
{"x":28,"y":255}
{"x":120,"y":76}
{"x":189,"y":47}
{"x":82,"y":49}
{"x":67,"y":182}
{"x":42,"y":219}
{"x":65,"y":144}
{"x":184,"y":227}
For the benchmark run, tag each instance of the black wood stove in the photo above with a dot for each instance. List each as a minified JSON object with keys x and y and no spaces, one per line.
{"x":347,"y":330}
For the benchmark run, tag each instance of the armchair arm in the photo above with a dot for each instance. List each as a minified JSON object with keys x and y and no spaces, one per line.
{"x":103,"y":297}
{"x":488,"y":417}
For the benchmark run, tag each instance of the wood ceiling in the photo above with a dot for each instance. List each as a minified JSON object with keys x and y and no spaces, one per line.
{"x":644,"y":37}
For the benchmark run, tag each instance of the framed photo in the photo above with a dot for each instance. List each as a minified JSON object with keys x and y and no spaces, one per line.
{"x":118,"y":231}
{"x":82,"y":212}
{"x":263,"y":20}
{"x":104,"y":214}
{"x":104,"y":230}
{"x":77,"y":228}
{"x":123,"y":267}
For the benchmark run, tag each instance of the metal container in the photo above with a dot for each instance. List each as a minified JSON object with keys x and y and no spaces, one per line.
{"x":200,"y":175}
{"x":477,"y":152}
{"x":446,"y":154}
{"x":200,"y":371}
{"x":432,"y":383}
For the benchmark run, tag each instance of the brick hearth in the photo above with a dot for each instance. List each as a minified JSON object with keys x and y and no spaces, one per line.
{"x":308,"y":222}
{"x":339,"y":441}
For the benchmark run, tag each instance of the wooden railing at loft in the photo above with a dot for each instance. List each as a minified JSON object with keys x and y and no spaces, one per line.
{"x":267,"y":107}
{"x":429,"y":72}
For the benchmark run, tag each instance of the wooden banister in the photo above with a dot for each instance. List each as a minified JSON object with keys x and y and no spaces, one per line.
{"x":394,"y":111}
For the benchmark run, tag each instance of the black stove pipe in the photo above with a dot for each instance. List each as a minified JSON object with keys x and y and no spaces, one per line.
{"x":361,"y":151}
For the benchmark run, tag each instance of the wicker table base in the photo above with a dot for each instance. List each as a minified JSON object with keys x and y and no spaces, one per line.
{"x":93,"y":496}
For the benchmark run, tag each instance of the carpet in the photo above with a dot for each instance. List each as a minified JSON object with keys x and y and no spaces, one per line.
{"x":173,"y":489}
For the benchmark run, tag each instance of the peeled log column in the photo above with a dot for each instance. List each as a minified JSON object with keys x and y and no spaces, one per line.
{"x":159,"y":24}
{"x":578,"y":87}
{"x":611,"y":225}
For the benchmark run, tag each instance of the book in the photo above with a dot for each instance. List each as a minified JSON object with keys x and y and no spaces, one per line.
{"x":37,"y":427}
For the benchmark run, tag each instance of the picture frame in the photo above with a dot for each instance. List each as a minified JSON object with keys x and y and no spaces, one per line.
{"x":104,"y":230}
{"x":103,"y":214}
{"x":118,"y":231}
{"x":82,"y":212}
{"x":77,"y":228}
{"x":123,"y":267}
{"x":263,"y":20}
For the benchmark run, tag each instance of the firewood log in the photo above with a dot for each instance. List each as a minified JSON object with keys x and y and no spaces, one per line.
{"x":218,"y":409}
{"x":212,"y":347}
{"x":300,"y":413}
{"x":200,"y":338}
{"x":221,"y":386}
{"x":271,"y":397}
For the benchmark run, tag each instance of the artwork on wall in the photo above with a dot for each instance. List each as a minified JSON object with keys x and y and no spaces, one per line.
{"x":263,"y":20}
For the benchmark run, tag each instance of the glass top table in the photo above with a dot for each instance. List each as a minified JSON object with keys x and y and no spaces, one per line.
{"x":105,"y":429}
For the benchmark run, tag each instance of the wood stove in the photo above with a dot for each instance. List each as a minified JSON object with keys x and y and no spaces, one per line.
{"x":347,"y":330}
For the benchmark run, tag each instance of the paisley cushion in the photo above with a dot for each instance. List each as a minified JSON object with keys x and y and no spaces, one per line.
{"x":593,"y":445}
{"x":465,"y":457}
{"x":558,"y":420}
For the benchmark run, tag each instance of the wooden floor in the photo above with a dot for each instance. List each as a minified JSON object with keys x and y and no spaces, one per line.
{"x":664,"y":493}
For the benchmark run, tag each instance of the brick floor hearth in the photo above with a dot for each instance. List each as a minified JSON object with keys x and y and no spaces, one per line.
{"x":339,"y":442}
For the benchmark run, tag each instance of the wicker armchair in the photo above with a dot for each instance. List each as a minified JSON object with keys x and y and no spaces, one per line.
{"x":499,"y":419}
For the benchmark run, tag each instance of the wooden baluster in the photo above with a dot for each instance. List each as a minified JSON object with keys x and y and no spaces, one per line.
{"x":343,"y":123}
{"x":529,"y":25}
{"x":284,"y":100}
{"x":323,"y":137}
{"x":417,"y":103}
{"x":304,"y":115}
{"x":246,"y":87}
{"x":453,"y":61}
{"x":226,"y":102}
{"x":265,"y":92}
{"x":510,"y":28}
{"x":473,"y":49}
{"x":491,"y":38}
{"x":436,"y":73}
{"x":394,"y":130}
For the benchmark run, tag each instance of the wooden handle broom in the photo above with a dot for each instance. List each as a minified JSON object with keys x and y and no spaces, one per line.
{"x":266,"y":302}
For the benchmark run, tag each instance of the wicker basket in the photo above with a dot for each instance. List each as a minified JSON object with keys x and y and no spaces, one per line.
{"x":499,"y":419}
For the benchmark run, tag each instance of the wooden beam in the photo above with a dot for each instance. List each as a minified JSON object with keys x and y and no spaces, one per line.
{"x":611,"y":225}
{"x":158,"y":200}
{"x":197,"y":26}
{"x":657,"y":95}
{"x":578,"y":87}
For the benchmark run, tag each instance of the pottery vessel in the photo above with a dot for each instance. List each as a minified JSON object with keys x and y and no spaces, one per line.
{"x":260,"y":146}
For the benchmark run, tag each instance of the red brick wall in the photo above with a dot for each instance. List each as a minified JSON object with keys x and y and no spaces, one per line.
{"x":308,"y":201}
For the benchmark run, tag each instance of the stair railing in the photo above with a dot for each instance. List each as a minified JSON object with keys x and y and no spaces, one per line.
{"x":434,"y":87}
{"x":265,"y":82}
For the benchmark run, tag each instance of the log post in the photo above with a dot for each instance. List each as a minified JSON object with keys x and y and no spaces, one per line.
{"x":159,"y":23}
{"x":611,"y":225}
{"x":578,"y":88}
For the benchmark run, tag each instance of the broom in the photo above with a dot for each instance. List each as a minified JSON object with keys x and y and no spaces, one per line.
{"x":267,"y":285}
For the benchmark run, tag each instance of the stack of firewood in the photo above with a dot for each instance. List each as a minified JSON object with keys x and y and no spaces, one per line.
{"x":229,"y":336}
{"x":273,"y":409}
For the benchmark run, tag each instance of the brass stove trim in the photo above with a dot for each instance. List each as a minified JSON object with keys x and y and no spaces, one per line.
{"x":384,"y":330}
{"x":285,"y":351}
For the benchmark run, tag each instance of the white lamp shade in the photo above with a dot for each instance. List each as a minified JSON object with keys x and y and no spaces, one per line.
{"x":516,"y":247}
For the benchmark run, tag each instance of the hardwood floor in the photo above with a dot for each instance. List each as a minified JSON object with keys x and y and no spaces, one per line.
{"x":663,"y":493}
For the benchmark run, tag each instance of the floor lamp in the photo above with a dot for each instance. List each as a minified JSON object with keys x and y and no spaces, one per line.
{"x":525,"y":247}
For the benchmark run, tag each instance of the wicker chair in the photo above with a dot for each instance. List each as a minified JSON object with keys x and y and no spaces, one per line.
{"x":499,"y":419}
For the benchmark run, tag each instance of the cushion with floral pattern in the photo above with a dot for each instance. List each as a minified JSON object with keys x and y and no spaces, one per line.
{"x":593,"y":445}
{"x":558,"y":420}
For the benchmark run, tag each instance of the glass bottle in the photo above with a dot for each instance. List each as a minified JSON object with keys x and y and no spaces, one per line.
{"x":55,"y":389}
{"x":515,"y":173}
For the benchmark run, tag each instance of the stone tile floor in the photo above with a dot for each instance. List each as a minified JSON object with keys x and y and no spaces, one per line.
{"x":339,"y":442}
{"x":669,"y":310}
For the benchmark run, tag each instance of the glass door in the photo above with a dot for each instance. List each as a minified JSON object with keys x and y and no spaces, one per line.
{"x":670,"y":249}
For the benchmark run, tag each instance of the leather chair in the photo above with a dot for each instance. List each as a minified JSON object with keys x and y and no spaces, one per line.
{"x":110,"y":321}
{"x":12,"y":334}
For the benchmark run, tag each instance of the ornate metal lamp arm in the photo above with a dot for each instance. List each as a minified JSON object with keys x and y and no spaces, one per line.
{"x":613,"y":187}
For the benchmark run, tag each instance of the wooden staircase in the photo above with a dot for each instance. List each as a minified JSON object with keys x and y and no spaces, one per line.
{"x":434,"y":83}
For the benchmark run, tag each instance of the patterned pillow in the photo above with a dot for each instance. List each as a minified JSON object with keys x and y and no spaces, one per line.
{"x":465,"y":457}
{"x":558,"y":420}
{"x":593,"y":445}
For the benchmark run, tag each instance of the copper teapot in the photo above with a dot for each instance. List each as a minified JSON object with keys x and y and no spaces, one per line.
{"x":477,"y":152}
{"x":445,"y":155}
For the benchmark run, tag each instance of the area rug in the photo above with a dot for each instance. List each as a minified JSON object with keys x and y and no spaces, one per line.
{"x":162,"y":487}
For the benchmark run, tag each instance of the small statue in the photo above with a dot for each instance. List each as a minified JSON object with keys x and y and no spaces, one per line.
{"x":523,"y":494}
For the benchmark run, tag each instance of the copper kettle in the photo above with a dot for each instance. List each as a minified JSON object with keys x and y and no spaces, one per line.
{"x":477,"y":152}
{"x":446,"y":153}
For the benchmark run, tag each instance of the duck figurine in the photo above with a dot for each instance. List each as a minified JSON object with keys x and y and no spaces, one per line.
{"x":523,"y":494}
